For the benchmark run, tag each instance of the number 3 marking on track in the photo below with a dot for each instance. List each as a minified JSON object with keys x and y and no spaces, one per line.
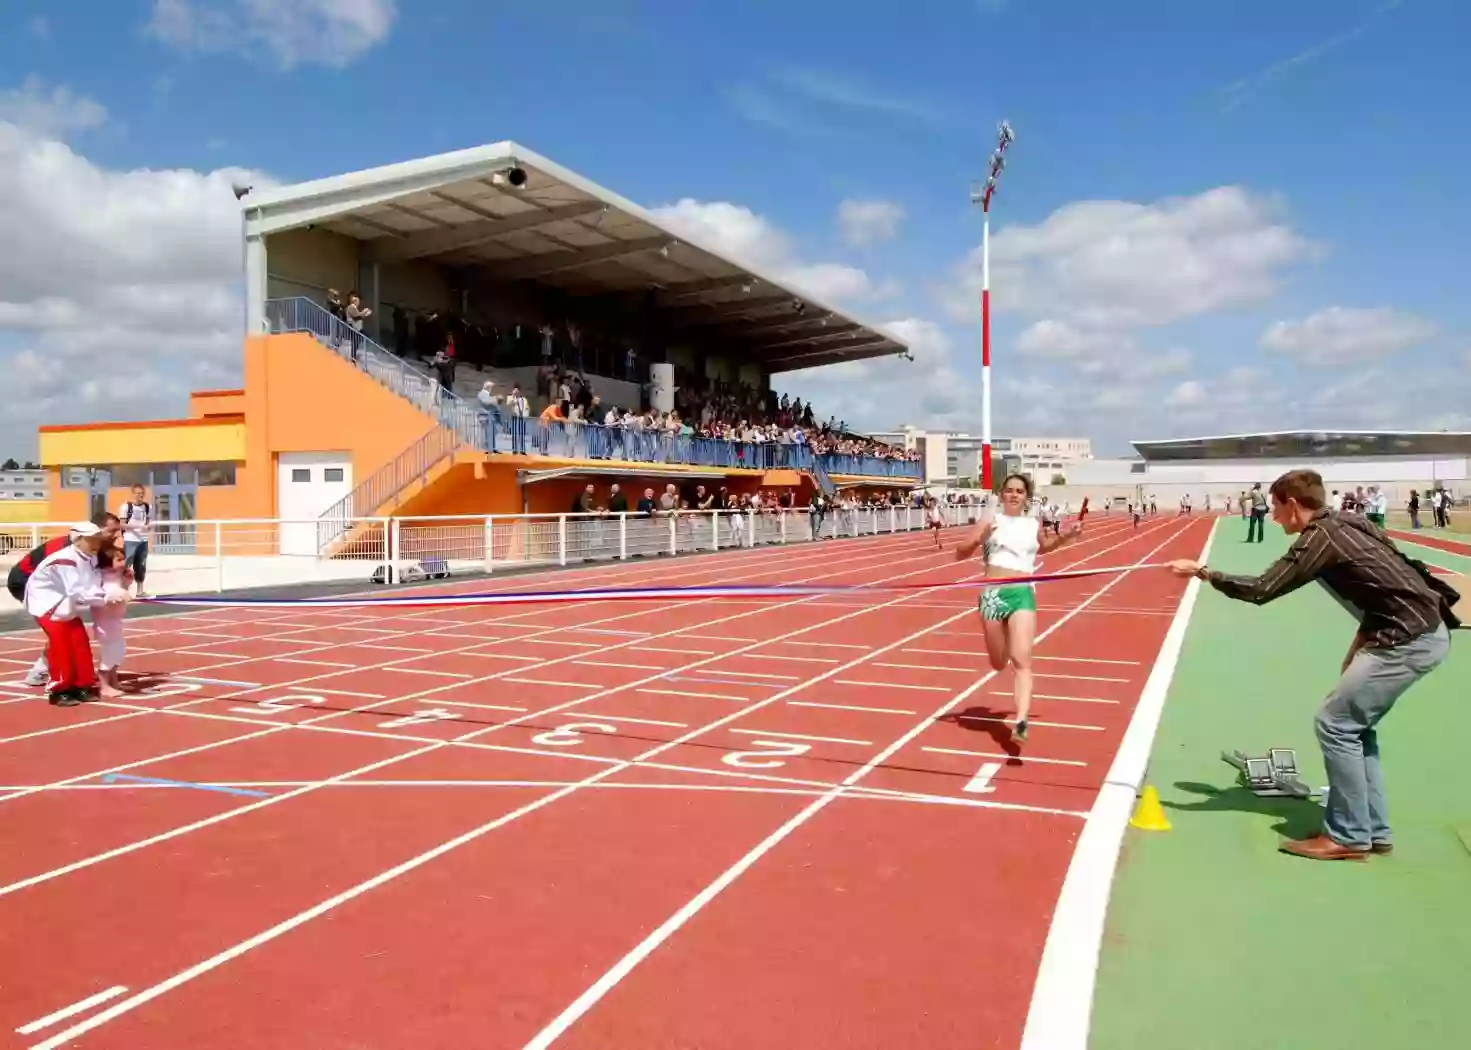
{"x":279,"y":704}
{"x":770,"y":757}
{"x":570,"y":735}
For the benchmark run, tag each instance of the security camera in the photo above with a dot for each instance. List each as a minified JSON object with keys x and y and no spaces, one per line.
{"x":513,"y":177}
{"x":240,"y":191}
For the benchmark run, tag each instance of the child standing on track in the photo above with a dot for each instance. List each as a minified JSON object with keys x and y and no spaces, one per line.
{"x":1012,"y":541}
{"x":107,"y":619}
{"x":936,"y":519}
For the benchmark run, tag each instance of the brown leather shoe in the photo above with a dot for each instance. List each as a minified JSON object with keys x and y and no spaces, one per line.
{"x":1382,"y":848}
{"x":1321,"y":847}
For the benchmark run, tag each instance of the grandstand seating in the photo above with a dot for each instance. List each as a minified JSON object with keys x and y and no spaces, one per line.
{"x":465,"y":423}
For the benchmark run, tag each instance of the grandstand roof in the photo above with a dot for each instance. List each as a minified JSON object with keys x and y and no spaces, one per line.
{"x":561,"y":229}
{"x":1310,"y":444}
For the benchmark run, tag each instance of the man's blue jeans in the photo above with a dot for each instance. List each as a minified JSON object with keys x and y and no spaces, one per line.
{"x":1357,"y":813}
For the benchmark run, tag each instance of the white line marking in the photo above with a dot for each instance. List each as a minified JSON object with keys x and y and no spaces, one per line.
{"x":931,"y":667}
{"x":894,"y":685}
{"x":548,"y":681}
{"x":1087,"y":660}
{"x":1024,"y":759}
{"x":687,"y":692}
{"x":609,"y":630}
{"x":834,"y":645}
{"x":1035,"y":722}
{"x":550,"y":641}
{"x":628,"y":667}
{"x":951,"y":652}
{"x":1077,"y":677}
{"x":346,"y":692}
{"x":311,"y":663}
{"x":719,"y":638}
{"x":1071,"y":699}
{"x":803,"y":736}
{"x":394,"y":648}
{"x":852,"y":707}
{"x":74,"y":1008}
{"x":801,"y":659}
{"x":681,"y":652}
{"x":217,"y":681}
{"x":634,"y":721}
{"x":420,"y":670}
{"x":1062,"y":998}
{"x":503,"y":656}
{"x":737,"y":674}
{"x":980,"y":784}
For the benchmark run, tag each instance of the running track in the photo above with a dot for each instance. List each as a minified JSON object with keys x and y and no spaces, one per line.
{"x":710,"y":824}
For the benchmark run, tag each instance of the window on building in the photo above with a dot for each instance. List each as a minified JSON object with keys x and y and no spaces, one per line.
{"x":332,"y":474}
{"x":301,"y":474}
{"x":212,"y":475}
{"x":125,"y":477}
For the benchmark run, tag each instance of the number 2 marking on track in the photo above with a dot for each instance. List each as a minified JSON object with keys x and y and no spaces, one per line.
{"x":771,"y":755}
{"x":171,"y":689}
{"x":279,"y":704}
{"x":432,"y":714}
{"x":570,"y":735}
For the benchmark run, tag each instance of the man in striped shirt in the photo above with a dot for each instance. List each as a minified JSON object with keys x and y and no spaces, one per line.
{"x":1402,"y":636}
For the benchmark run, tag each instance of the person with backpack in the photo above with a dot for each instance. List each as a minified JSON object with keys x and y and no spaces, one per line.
{"x":137,"y":518}
{"x":1405,"y":617}
{"x":1256,"y":526}
{"x":22,"y":571}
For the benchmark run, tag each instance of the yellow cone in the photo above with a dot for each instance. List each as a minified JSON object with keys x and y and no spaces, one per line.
{"x":1149,"y":815}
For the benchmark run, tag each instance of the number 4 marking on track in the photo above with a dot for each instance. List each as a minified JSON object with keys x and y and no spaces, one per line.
{"x":432,"y":714}
{"x":980,"y":784}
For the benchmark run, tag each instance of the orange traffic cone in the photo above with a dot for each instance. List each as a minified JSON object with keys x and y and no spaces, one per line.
{"x":1149,"y":815}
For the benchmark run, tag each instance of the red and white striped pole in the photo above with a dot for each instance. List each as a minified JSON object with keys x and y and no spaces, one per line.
{"x":998,"y":162}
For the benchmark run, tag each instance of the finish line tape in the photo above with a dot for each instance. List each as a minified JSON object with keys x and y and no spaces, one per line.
{"x":613,"y":594}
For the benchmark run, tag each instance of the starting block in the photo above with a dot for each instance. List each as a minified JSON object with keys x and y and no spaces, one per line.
{"x":1273,"y":776}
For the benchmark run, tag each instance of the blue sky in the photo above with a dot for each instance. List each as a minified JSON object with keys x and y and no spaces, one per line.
{"x":1327,"y":129}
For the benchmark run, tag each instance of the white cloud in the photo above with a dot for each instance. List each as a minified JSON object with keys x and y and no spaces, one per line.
{"x":55,"y":112}
{"x":119,"y":290}
{"x":869,"y":222}
{"x":1118,"y":265}
{"x":292,"y":32}
{"x":1190,"y":392}
{"x":39,"y":28}
{"x":1341,"y":335}
{"x":738,"y":232}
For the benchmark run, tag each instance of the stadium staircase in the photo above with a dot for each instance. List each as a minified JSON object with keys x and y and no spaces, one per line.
{"x":342,"y":531}
{"x":819,"y":475}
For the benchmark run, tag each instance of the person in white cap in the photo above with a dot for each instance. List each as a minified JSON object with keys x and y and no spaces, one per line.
{"x":66,"y":583}
{"x":21,"y":571}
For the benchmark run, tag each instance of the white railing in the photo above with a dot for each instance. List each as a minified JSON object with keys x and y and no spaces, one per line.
{"x":243,"y":554}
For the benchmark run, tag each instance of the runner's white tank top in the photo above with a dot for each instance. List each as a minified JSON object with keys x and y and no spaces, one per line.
{"x":1013,"y":543}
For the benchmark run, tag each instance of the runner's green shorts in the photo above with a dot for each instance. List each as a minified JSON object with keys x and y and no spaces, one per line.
{"x":998,"y":603}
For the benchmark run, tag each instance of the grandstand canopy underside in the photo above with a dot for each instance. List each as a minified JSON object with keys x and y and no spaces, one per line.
{"x":1303,"y":444}
{"x":460,"y":213}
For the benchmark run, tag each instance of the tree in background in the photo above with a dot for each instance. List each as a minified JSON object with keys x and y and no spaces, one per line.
{"x":11,"y":464}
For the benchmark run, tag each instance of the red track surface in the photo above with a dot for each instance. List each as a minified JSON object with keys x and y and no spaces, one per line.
{"x":1438,"y":543}
{"x":719,"y":858}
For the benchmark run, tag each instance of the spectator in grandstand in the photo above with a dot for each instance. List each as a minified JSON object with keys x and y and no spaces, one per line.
{"x":355,"y":313}
{"x":1403,"y":614}
{"x":136,"y":516}
{"x":519,"y":410}
{"x":646,"y":505}
{"x":617,"y":501}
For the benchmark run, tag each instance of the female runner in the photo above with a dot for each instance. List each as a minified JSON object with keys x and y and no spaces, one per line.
{"x":1012,"y":540}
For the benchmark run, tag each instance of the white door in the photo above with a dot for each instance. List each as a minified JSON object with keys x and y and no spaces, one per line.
{"x":308,"y":484}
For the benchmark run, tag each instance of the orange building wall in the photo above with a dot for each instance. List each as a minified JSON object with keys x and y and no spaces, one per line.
{"x":301,"y":397}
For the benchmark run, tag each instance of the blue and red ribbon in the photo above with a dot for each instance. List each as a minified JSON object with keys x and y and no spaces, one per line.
{"x":610,"y":594}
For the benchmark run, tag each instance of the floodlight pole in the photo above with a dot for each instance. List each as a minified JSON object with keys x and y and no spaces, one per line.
{"x":1005,"y":137}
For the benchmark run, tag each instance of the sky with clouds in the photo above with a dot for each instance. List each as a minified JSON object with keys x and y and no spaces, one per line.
{"x":1215,"y":218}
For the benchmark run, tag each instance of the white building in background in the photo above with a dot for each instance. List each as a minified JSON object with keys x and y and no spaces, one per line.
{"x":22,"y":484}
{"x":1223,"y":467}
{"x":947,"y":454}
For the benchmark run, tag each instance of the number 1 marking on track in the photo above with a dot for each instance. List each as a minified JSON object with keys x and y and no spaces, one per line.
{"x":980,"y":784}
{"x":432,"y":714}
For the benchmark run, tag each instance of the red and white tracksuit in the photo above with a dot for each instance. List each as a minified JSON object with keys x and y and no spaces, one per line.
{"x":63,"y":585}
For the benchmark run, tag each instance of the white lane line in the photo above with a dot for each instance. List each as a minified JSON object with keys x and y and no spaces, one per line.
{"x":1070,"y":699}
{"x":628,"y":667}
{"x":609,"y":630}
{"x":633,"y":721}
{"x":1024,"y":759}
{"x":980,"y":784}
{"x":393,"y":648}
{"x":717,"y":638}
{"x":503,"y":656}
{"x":687,"y":692}
{"x":682,"y":652}
{"x":550,"y":641}
{"x":852,"y":707}
{"x":832,"y":645}
{"x":347,"y":692}
{"x":803,"y":736}
{"x":1062,"y":998}
{"x":950,"y":652}
{"x":894,"y":685}
{"x":548,"y":681}
{"x":1035,"y":722}
{"x":73,"y":1009}
{"x":720,"y":671}
{"x":801,"y":659}
{"x":1088,"y":660}
{"x":420,"y":670}
{"x":1078,"y":677}
{"x":216,"y":681}
{"x":311,"y":663}
{"x":931,"y":667}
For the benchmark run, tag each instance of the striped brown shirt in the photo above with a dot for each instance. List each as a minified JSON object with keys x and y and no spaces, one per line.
{"x":1360,"y":566}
